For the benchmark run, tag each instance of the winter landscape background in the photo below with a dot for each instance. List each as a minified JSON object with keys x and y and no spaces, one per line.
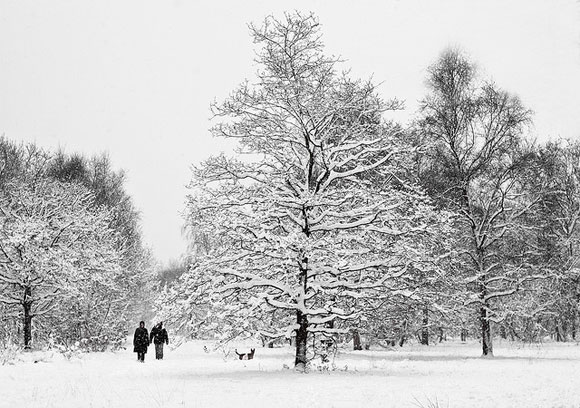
{"x":412,"y":242}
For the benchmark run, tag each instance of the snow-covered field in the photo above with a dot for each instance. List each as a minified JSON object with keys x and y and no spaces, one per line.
{"x":452,"y":374}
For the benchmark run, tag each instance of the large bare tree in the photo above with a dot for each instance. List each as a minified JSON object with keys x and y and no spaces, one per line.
{"x":312,"y":220}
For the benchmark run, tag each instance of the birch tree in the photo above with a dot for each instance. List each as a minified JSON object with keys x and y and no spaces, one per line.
{"x":479,"y":159}
{"x":311,"y":220}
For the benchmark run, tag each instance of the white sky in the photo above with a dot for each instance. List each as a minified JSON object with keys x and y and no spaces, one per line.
{"x":135,"y":78}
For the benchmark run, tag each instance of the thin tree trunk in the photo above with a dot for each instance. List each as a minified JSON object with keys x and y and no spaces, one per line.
{"x":301,"y":337}
{"x":486,"y":341}
{"x":575,"y":313}
{"x":356,"y":340}
{"x":564,"y":329}
{"x":402,"y":340}
{"x":27,"y":325}
{"x":425,"y":329}
{"x":559,"y":336}
{"x":403,"y":337}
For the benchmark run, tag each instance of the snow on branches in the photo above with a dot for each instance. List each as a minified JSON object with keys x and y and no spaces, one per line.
{"x":52,"y":246}
{"x":313,"y":218}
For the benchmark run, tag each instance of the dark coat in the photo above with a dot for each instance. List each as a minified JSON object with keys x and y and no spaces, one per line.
{"x":141,"y":340}
{"x":159,"y":335}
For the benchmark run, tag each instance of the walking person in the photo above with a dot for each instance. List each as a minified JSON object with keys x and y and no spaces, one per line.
{"x":159,"y":336}
{"x":141,"y":341}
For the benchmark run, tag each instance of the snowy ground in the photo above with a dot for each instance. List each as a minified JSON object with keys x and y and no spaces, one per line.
{"x":452,"y":374}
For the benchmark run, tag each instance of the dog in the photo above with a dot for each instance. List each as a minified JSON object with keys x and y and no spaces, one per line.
{"x":246,"y":356}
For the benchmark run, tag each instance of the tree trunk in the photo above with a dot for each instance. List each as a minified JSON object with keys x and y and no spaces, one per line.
{"x":564,"y":329}
{"x":559,"y":336}
{"x":425,"y":329}
{"x":302,"y":320}
{"x":27,"y":325}
{"x":301,"y":338}
{"x":575,"y":313}
{"x":403,"y":337}
{"x":486,"y":341}
{"x":356,"y":340}
{"x":402,"y":340}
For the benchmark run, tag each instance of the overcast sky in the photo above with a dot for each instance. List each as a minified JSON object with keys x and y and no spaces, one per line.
{"x":135,"y":78}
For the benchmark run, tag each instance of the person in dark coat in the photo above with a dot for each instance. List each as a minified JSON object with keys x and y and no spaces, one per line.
{"x":141,"y":341}
{"x":159,"y":336}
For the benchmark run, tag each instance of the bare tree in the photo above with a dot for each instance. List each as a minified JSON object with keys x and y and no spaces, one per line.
{"x":313,"y":221}
{"x":478,"y":161}
{"x":559,"y":237}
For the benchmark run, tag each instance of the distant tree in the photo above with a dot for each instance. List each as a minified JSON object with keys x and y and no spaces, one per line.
{"x":134,"y":284}
{"x":478,"y":163}
{"x":314,"y":225}
{"x":41,"y":194}
{"x":51,"y":245}
{"x":69,"y":168}
{"x":27,"y":163}
{"x":559,"y":237}
{"x":436,"y":284}
{"x":108,"y":188}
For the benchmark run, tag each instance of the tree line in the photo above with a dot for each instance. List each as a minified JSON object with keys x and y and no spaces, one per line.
{"x":73,"y":266}
{"x":332,"y":222}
